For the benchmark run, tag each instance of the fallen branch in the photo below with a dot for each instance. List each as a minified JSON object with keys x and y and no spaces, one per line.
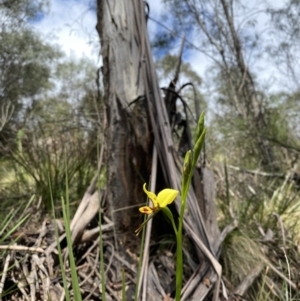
{"x":22,"y":248}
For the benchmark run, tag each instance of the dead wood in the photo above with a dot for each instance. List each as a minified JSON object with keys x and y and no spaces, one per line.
{"x":248,"y":280}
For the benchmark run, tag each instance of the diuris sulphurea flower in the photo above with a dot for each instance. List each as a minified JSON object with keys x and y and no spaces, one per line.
{"x":164,"y":198}
{"x":160,"y":201}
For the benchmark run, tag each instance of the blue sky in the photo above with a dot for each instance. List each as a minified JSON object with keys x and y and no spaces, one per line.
{"x":71,"y":24}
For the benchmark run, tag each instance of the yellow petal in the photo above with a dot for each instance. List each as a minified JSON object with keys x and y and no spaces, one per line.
{"x":166,"y":197}
{"x":146,"y":210}
{"x":150,"y":195}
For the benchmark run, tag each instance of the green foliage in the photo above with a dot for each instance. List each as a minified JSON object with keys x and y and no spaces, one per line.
{"x":53,"y":103}
{"x":18,"y":12}
{"x":236,"y":137}
{"x":241,"y":117}
{"x":25,"y":58}
{"x":64,"y":121}
{"x":166,"y":66}
{"x":55,"y":112}
{"x":284,"y":46}
{"x":11,"y":221}
{"x":25,"y":64}
{"x":267,"y":233}
{"x":283,"y":117}
{"x":67,"y":219}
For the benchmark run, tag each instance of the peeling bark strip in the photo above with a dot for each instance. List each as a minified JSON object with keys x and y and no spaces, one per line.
{"x":129,"y":141}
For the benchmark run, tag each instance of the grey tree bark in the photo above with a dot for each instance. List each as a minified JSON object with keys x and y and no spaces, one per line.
{"x":129,"y":140}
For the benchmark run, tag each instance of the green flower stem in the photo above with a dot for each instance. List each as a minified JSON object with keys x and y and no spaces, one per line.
{"x":179,"y":262}
{"x":190,"y":162}
{"x":179,"y":257}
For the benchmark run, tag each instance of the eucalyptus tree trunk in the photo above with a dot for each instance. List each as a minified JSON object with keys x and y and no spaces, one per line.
{"x":129,"y":140}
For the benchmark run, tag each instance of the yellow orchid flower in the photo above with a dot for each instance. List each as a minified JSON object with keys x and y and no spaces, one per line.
{"x":164,"y":198}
